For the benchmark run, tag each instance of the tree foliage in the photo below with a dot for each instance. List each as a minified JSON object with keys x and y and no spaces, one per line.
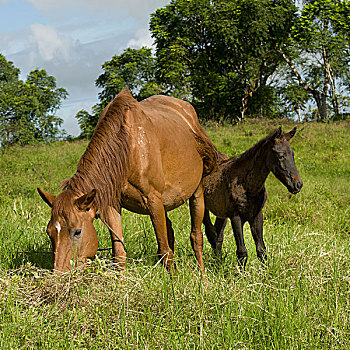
{"x":236,"y":59}
{"x":134,"y":69}
{"x":28,"y":109}
{"x":220,"y":54}
{"x":318,"y":52}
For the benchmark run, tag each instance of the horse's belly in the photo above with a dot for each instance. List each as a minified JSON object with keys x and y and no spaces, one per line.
{"x":173,"y":196}
{"x":134,"y":205}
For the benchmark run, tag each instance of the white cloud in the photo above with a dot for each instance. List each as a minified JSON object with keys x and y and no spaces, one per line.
{"x":71,"y":39}
{"x":48,"y":43}
{"x":142,"y":38}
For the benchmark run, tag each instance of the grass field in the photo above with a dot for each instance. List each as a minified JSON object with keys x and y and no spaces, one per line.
{"x":299,"y":300}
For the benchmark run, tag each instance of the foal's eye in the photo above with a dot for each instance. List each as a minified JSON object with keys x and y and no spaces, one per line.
{"x":281,"y":156}
{"x":76,"y":232}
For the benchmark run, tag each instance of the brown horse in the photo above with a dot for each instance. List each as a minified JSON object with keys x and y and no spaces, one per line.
{"x":148,"y":157}
{"x":236,"y":190}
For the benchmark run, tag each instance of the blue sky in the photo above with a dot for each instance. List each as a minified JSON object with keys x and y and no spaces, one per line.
{"x":71,"y":39}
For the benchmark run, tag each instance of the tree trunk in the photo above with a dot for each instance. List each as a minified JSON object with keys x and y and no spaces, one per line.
{"x":319,"y":97}
{"x":299,"y":113}
{"x":244,"y":106}
{"x":331,"y":80}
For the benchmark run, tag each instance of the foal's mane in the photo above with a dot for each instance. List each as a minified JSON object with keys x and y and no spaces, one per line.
{"x":252,"y":151}
{"x":104,"y":164}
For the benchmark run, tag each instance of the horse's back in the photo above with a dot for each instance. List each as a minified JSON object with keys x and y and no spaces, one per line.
{"x":170,"y":108}
{"x":182,"y":116}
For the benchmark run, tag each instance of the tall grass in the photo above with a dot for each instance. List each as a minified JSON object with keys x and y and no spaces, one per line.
{"x":299,"y":300}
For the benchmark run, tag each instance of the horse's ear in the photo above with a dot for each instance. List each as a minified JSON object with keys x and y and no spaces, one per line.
{"x":290,"y":134}
{"x":47,"y":197}
{"x":277,"y":135}
{"x":84,"y":203}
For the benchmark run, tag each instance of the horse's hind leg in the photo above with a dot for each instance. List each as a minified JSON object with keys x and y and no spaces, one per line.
{"x":158,"y":217}
{"x":197,"y":214}
{"x":256,"y":226}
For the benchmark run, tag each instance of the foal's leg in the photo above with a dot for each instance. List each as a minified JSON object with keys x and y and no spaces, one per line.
{"x":220,"y":225}
{"x":158,"y":217}
{"x":210,"y":230}
{"x":241,"y":253}
{"x":197,"y":213}
{"x":114,"y":220}
{"x":256,"y":226}
{"x":170,"y":233}
{"x":214,"y":233}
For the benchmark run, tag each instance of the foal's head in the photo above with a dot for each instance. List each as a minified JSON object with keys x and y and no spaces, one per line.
{"x":280,"y":160}
{"x":71,"y":230}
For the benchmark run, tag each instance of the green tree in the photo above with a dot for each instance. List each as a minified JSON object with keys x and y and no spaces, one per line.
{"x":221,"y":54}
{"x":27,"y":109}
{"x":134,"y":69}
{"x":8,"y":72}
{"x":318,"y":52}
{"x":342,"y":28}
{"x":295,"y":99}
{"x":87,"y":122}
{"x":48,"y":97}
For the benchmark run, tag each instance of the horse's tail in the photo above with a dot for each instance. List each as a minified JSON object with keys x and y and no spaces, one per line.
{"x":207,"y":150}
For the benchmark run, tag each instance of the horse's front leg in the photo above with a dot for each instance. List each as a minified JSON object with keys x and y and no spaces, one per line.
{"x":197,"y":213}
{"x":241,"y":253}
{"x":256,"y":226}
{"x":161,"y":227}
{"x":113,"y":219}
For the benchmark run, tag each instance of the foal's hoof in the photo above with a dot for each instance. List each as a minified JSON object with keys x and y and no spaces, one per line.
{"x":242,"y":262}
{"x":263,"y":258}
{"x":218,"y":253}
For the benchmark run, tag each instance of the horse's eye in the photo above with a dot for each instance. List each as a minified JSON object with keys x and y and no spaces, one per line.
{"x":76,"y":232}
{"x":281,"y":156}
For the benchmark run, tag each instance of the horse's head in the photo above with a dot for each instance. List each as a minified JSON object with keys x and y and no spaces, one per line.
{"x":71,"y":230}
{"x":281,"y":160}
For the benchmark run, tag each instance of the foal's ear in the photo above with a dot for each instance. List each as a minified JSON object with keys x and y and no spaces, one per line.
{"x":47,"y":197}
{"x":84,"y":203}
{"x":290,"y":134}
{"x":277,"y":135}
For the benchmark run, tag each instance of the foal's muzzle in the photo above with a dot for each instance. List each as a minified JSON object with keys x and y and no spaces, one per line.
{"x":296,"y":188}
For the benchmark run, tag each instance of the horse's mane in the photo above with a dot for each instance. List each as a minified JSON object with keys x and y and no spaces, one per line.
{"x":104,"y":164}
{"x":252,"y":150}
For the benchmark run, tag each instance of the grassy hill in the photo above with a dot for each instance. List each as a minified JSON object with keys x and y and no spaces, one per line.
{"x":301,"y":299}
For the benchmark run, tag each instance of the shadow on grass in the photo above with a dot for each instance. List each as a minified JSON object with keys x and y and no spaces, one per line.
{"x":40,"y":257}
